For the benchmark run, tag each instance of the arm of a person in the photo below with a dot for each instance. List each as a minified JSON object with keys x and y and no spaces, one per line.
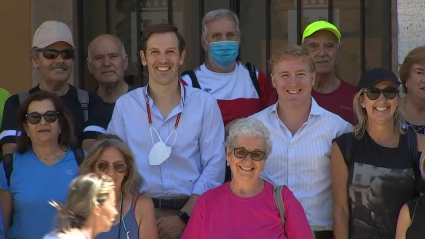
{"x":403,"y":222}
{"x":5,"y":200}
{"x":194,"y":226}
{"x":146,"y":212}
{"x":339,"y":177}
{"x":296,"y":224}
{"x":8,"y":125}
{"x":211,"y":149}
{"x":265,"y":89}
{"x":96,"y":123}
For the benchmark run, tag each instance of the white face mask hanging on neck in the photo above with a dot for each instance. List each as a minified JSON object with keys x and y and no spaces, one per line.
{"x":160,"y":151}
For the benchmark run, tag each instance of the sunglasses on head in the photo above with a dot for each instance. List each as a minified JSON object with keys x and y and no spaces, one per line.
{"x":242,"y":153}
{"x":50,"y":116}
{"x":374,"y":93}
{"x":104,"y":167}
{"x":53,"y":54}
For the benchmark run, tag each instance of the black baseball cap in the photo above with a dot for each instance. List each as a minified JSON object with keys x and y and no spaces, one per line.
{"x":376,"y":75}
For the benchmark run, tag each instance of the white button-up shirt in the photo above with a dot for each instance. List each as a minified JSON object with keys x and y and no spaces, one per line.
{"x":302,"y":161}
{"x":197,"y":160}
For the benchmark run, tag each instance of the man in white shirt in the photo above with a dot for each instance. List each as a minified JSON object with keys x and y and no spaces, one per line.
{"x":175,"y":132}
{"x":302,"y":134}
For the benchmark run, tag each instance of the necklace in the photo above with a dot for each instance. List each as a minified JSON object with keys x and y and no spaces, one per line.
{"x":45,"y":159}
{"x":417,"y":128}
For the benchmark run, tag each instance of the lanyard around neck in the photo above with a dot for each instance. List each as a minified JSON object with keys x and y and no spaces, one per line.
{"x":178,"y":115}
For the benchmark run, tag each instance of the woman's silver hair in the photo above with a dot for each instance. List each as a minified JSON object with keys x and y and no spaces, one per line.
{"x":250,"y":127}
{"x":360,"y":128}
{"x":216,"y":14}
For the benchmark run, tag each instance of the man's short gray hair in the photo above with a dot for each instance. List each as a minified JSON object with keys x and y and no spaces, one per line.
{"x":216,"y":14}
{"x":33,"y":52}
{"x":250,"y":127}
{"x":122,"y":47}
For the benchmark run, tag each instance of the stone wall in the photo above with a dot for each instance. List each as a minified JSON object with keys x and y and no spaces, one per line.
{"x":411,"y":26}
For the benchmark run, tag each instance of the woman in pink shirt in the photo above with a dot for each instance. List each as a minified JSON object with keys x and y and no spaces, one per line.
{"x":245,"y":206}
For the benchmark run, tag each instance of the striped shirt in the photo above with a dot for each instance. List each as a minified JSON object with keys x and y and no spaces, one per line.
{"x":302,"y":161}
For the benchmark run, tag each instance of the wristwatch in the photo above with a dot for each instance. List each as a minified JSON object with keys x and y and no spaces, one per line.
{"x":183,"y":216}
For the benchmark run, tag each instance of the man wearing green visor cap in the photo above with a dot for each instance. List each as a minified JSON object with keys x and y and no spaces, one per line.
{"x":323,"y":40}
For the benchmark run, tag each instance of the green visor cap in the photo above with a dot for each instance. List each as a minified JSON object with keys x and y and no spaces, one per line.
{"x":321,"y":25}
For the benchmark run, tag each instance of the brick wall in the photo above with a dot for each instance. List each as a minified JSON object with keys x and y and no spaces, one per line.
{"x":411,"y":26}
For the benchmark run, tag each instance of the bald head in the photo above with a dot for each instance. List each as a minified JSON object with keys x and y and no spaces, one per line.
{"x":107,"y":60}
{"x":105,"y":38}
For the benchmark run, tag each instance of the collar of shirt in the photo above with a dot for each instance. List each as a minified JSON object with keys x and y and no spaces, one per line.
{"x":182,"y":92}
{"x":315,"y":109}
{"x":175,"y":111}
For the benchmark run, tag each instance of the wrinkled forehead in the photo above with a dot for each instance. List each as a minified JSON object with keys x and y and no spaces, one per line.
{"x":221,"y":25}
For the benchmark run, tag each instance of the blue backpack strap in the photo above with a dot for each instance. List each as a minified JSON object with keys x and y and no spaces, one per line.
{"x":193,"y":78}
{"x":79,"y":156}
{"x":253,"y":74}
{"x":8,"y":166}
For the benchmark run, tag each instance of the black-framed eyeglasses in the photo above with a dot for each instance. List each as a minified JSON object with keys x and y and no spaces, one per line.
{"x":241,"y":153}
{"x":49,"y":116}
{"x":104,"y":167}
{"x":53,"y":54}
{"x":374,"y":93}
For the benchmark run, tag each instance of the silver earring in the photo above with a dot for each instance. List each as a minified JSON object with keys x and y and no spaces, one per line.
{"x":363,"y":106}
{"x":228,"y":164}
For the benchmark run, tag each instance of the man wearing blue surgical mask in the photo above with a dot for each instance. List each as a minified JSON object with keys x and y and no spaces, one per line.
{"x":240,"y":89}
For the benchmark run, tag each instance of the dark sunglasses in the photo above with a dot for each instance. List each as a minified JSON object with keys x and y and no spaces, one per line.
{"x":50,"y":116}
{"x":104,"y":167}
{"x":53,"y":54}
{"x":241,"y":153}
{"x":374,"y":93}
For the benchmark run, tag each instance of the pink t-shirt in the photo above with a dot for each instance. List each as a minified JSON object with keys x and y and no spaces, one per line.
{"x":219,"y":213}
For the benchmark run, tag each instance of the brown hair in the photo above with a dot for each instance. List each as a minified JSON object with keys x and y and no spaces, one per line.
{"x":415,"y":56}
{"x":292,"y":52}
{"x":132,"y":181}
{"x":161,"y":28}
{"x":66,"y":137}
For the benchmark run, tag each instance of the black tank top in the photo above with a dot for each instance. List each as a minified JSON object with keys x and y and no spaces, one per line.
{"x":380,"y":181}
{"x":417,"y":214}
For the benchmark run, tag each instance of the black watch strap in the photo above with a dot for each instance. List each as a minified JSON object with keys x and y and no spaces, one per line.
{"x":183,"y":216}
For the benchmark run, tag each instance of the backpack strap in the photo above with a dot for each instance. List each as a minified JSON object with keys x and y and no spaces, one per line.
{"x":23,"y":95}
{"x":83,"y":97}
{"x":79,"y":156}
{"x":277,"y":194}
{"x":349,"y":146}
{"x":412,"y":145}
{"x":253,"y":74}
{"x":191,"y":74}
{"x":8,"y":166}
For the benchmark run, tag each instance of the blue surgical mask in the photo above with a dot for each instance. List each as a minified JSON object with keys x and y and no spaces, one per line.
{"x":224,"y":53}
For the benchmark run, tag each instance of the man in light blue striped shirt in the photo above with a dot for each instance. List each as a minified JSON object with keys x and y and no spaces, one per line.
{"x":302,"y":134}
{"x":175,"y":132}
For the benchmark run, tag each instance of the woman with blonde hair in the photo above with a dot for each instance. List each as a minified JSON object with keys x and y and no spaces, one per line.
{"x":89,"y":209}
{"x":136,"y":217}
{"x":375,"y":161}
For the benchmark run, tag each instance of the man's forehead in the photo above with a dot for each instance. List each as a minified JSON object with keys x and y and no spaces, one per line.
{"x":322,"y":36}
{"x":162,"y":40}
{"x":223,"y":24}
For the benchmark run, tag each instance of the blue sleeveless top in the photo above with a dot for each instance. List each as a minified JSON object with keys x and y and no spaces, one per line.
{"x":130,"y":223}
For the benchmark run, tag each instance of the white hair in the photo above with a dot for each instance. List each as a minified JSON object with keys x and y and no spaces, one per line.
{"x":119,"y":40}
{"x":33,"y":52}
{"x":250,"y":127}
{"x":216,"y":14}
